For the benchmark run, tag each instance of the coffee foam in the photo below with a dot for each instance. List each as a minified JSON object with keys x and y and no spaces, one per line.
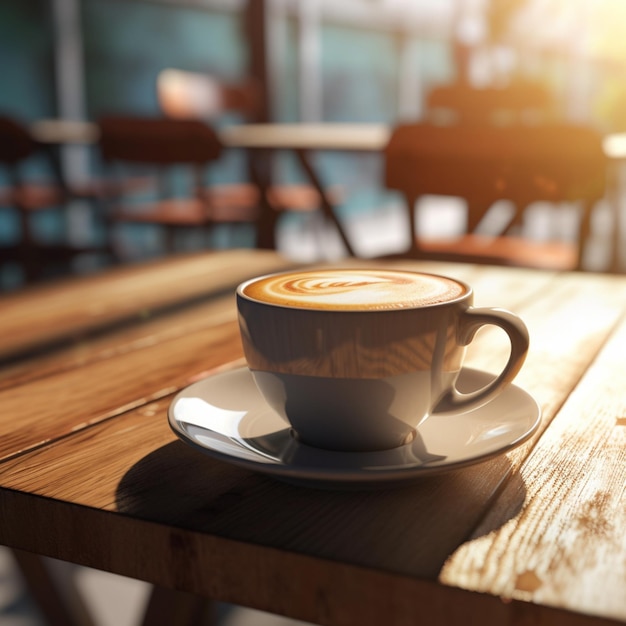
{"x":354,"y":289}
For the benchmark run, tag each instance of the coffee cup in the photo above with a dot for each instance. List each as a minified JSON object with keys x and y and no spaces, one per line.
{"x":355,"y":359}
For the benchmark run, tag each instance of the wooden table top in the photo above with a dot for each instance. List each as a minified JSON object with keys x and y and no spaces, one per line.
{"x":310,"y":136}
{"x":368,"y":136}
{"x":90,"y":471}
{"x":323,"y":136}
{"x":65,"y":131}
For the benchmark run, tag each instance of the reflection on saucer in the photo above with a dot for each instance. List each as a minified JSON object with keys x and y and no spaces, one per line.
{"x":226,"y":417}
{"x":292,"y":452}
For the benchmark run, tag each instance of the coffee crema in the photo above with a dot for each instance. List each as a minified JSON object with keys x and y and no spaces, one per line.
{"x":346,"y":289}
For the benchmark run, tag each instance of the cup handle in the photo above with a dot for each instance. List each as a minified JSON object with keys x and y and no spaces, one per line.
{"x":471,"y":320}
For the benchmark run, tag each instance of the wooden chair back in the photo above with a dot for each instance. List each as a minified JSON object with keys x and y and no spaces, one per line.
{"x":31,"y":186}
{"x":462,"y":103}
{"x":185,"y":95}
{"x":483,"y":164}
{"x":179,"y":151}
{"x":157,"y":141}
{"x":16,"y":144}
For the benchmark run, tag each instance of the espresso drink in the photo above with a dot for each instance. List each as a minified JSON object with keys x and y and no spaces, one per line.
{"x":354,"y":290}
{"x":356,"y":359}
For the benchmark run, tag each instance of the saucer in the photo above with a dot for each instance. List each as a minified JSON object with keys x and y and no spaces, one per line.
{"x":226,"y":417}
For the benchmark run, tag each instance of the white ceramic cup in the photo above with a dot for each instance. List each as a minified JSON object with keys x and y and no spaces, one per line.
{"x":356,"y":359}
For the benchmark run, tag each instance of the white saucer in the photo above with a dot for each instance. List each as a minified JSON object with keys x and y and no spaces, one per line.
{"x":225,"y":417}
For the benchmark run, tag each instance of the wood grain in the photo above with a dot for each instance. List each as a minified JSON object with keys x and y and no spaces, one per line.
{"x":46,"y":409}
{"x":149,"y":328}
{"x":574,"y":513}
{"x":74,"y":308}
{"x":57,"y":394}
{"x":151,"y":331}
{"x":304,"y":587}
{"x":227,"y":516}
{"x":94,"y":475}
{"x":153,"y":327}
{"x":87,"y":445}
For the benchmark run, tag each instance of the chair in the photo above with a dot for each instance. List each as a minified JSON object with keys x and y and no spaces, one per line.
{"x":183,"y":147}
{"x":191,"y":95}
{"x":48,"y":190}
{"x":483,"y":164}
{"x":27,"y":195}
{"x":461,"y":103}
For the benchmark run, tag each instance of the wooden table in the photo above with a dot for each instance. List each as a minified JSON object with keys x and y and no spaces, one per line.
{"x":91,"y":472}
{"x":303,"y":140}
{"x":339,"y":136}
{"x":259,"y":139}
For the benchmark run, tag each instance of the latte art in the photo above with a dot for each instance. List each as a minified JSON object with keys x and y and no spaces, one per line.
{"x":354,"y":289}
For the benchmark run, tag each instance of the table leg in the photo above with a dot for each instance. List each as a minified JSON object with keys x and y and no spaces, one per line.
{"x":260,"y":166}
{"x":167,"y":607}
{"x":327,"y":205}
{"x":65,"y":608}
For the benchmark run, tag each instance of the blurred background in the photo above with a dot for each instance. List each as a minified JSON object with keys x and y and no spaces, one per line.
{"x":355,"y":60}
{"x":319,"y":60}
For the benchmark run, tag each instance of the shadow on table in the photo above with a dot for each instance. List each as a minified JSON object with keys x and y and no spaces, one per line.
{"x":411,"y":529}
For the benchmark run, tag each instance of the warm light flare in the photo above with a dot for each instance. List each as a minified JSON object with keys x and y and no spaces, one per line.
{"x":615,"y":146}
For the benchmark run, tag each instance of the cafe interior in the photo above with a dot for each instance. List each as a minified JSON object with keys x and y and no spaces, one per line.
{"x":480,"y":131}
{"x":69,"y":205}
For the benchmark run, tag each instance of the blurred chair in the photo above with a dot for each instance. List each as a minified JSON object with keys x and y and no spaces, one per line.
{"x":461,"y":103}
{"x":46,"y":189}
{"x":27,"y":194}
{"x":191,"y":95}
{"x":24,"y":196}
{"x":483,"y":164}
{"x":179,"y":150}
